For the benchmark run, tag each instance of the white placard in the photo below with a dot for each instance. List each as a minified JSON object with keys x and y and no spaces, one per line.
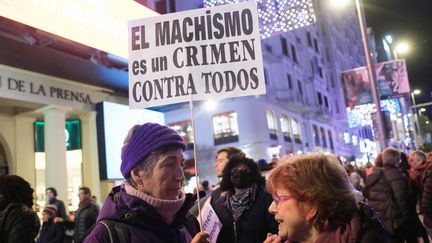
{"x":204,"y":53}
{"x":212,"y":225}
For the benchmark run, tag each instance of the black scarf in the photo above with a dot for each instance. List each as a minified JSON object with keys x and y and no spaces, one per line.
{"x":240,"y":203}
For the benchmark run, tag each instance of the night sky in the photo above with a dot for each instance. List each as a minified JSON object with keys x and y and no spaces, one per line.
{"x":407,"y":20}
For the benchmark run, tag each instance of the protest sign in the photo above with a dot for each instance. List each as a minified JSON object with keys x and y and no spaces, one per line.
{"x":199,"y":54}
{"x":211,"y":223}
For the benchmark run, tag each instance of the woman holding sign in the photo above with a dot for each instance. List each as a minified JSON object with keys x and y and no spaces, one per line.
{"x":149,"y":206}
{"x":242,"y":204}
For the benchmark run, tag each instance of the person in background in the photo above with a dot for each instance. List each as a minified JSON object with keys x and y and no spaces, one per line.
{"x":18,"y":222}
{"x":403,"y":164}
{"x":205,"y":186}
{"x":368,"y":169}
{"x":223,"y":155}
{"x":387,"y":192}
{"x":85,"y":216}
{"x":243,"y":202}
{"x":150,"y":203}
{"x":51,"y":195}
{"x":379,"y":163}
{"x":355,"y":178}
{"x":313,"y":201}
{"x":51,"y":232}
{"x":95,"y":201}
{"x":421,"y":180}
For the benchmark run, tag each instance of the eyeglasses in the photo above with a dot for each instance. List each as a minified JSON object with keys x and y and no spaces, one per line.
{"x":277,"y":199}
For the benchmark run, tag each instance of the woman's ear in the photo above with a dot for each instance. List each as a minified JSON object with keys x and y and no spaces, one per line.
{"x":136,"y":177}
{"x":312,"y":211}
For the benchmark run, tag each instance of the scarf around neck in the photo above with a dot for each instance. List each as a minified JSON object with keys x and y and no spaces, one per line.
{"x":166,"y":208}
{"x":83,"y":204}
{"x":240,"y":203}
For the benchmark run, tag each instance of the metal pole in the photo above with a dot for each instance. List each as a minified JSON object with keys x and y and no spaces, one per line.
{"x":417,"y":131}
{"x":192,"y":113}
{"x":371,"y":73}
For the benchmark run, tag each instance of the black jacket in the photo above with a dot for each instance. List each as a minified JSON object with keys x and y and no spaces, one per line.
{"x":387,"y":192}
{"x":84,"y":221}
{"x":51,"y":233}
{"x":372,"y":229}
{"x":252,"y":226}
{"x":18,"y":223}
{"x":426,"y":202}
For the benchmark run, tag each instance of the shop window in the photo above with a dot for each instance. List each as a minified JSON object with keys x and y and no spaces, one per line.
{"x":225,"y":128}
{"x":272,"y":125}
{"x":286,"y":128}
{"x":295,"y":125}
{"x":184,"y":129}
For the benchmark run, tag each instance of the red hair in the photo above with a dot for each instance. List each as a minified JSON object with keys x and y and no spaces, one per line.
{"x":319,"y":182}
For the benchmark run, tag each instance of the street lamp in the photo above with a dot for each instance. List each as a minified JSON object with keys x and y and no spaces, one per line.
{"x":402,"y":47}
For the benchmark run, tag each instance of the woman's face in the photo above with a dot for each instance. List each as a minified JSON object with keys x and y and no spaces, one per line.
{"x":166,"y":179}
{"x":241,"y":176}
{"x":292,"y":219}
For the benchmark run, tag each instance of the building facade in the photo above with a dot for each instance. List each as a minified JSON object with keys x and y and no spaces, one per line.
{"x":303,"y":109}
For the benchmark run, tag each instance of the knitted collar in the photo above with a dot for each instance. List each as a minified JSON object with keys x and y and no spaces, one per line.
{"x":166,"y":208}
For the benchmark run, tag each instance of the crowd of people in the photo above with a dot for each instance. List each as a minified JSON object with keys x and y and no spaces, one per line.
{"x":304,"y":198}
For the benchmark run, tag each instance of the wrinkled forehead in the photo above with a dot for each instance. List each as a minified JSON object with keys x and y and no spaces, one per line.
{"x":171,"y":154}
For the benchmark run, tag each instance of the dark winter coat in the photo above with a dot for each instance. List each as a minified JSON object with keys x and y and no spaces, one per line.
{"x":387,"y":192}
{"x":143,"y":221}
{"x":426,"y":202}
{"x":18,"y":223}
{"x":84,"y":221}
{"x":252,"y":226}
{"x":51,"y":233}
{"x":372,"y":228}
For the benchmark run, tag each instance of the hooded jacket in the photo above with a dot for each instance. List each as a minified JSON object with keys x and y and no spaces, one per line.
{"x":143,"y":221}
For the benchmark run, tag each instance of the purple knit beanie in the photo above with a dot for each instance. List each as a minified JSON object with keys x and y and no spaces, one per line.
{"x":146,"y":139}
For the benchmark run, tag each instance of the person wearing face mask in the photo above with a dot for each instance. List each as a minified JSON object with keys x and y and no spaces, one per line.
{"x":242,"y":204}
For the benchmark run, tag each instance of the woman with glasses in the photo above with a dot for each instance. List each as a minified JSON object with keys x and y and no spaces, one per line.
{"x":242,"y":204}
{"x":313,"y":201}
